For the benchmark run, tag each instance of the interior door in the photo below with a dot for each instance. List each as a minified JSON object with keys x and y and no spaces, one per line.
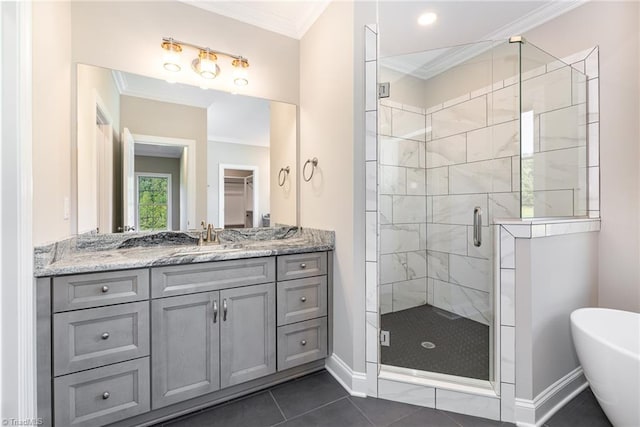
{"x":128,"y":181}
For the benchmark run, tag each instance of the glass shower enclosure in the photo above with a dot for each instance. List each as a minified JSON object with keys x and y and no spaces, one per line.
{"x":467,"y":135}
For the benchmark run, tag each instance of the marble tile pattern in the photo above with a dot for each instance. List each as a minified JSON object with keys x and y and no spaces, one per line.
{"x":466,"y":155}
{"x":103,"y":252}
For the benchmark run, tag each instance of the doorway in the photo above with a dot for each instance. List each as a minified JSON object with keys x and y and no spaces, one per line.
{"x":238,"y":193}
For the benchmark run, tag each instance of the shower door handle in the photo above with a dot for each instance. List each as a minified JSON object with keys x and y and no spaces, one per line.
{"x":477,"y":226}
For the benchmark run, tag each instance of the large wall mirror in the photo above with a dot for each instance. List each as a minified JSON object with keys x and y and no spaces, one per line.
{"x":154,"y":155}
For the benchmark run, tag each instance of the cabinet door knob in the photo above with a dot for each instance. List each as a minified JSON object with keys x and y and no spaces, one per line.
{"x":303,"y":265}
{"x":215,"y":311}
{"x":303,"y":342}
{"x":224,"y":310}
{"x":303,"y":299}
{"x":105,"y":336}
{"x":106,"y":395}
{"x":105,"y":289}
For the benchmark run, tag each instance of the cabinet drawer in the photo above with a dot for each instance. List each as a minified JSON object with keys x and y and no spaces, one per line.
{"x":97,"y":289}
{"x":90,"y":338}
{"x":302,"y":299}
{"x":103,"y":395}
{"x":211,"y":276}
{"x":301,"y":343}
{"x":302,"y":265}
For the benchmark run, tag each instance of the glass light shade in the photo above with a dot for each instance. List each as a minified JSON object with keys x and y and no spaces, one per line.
{"x":205,"y":65}
{"x":240,"y":72}
{"x":171,"y":56}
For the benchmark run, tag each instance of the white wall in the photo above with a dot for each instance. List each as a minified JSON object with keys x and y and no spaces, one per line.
{"x":614,"y":26}
{"x":332,"y":129}
{"x":52,"y":155}
{"x":554,"y":276}
{"x":236,"y":154}
{"x":92,"y":81}
{"x":283,"y":143}
{"x":164,"y":119}
{"x":326,"y":132}
{"x":127,"y":35}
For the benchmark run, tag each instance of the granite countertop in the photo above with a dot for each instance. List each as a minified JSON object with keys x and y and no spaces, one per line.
{"x":95,"y":253}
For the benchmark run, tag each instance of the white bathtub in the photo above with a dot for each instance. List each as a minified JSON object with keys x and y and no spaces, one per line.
{"x":608,"y":346}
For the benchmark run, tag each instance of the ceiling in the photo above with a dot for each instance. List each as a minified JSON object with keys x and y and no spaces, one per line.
{"x":228,"y":115}
{"x":291,"y":18}
{"x":458,"y":21}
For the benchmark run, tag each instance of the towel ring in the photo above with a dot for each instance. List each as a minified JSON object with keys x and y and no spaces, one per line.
{"x":314,"y":163}
{"x":283,"y":177}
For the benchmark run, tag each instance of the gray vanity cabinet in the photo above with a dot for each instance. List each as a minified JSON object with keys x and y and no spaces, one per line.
{"x":248,"y":333}
{"x":132,"y":347}
{"x":185,"y":347}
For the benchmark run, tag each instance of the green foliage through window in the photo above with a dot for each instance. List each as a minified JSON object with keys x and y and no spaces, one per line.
{"x":153,"y":203}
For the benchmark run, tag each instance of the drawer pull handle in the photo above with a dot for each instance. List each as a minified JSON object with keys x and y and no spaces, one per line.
{"x":106,"y":395}
{"x":303,"y":266}
{"x":105,"y":289}
{"x":303,"y":299}
{"x":215,"y":311}
{"x":224,"y":309}
{"x":105,"y":336}
{"x":303,"y":342}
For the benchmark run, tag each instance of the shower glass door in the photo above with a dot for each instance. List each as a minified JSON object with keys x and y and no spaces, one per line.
{"x":449,"y":158}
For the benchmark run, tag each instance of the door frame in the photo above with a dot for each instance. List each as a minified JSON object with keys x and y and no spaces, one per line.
{"x":18,"y":387}
{"x":256,"y":186}
{"x":187,"y":174}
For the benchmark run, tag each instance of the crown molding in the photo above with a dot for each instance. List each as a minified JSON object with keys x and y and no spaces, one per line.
{"x":120,"y":81}
{"x":318,"y":7}
{"x":265,"y":20}
{"x":533,"y":19}
{"x":228,"y":140}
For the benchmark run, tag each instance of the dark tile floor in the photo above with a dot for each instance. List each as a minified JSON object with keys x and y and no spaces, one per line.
{"x":461,"y":345}
{"x":317,"y":400}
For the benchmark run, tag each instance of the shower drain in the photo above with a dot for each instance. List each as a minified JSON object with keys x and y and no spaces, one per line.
{"x":428,"y":345}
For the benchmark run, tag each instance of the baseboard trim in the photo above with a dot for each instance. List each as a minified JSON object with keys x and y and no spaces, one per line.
{"x":354,"y":382}
{"x":534,"y":413}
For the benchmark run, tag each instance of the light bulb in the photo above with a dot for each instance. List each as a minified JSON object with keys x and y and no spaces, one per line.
{"x":427,"y":18}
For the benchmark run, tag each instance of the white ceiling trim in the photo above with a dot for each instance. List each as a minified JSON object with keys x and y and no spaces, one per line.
{"x":265,"y":20}
{"x":539,"y":16}
{"x":120,"y":81}
{"x":227,"y":140}
{"x":316,"y":10}
{"x":535,"y":18}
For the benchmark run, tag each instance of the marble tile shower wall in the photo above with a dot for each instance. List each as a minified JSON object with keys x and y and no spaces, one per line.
{"x":433,"y":171}
{"x":438,"y":163}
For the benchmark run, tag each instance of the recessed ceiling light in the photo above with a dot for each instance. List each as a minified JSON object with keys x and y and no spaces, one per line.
{"x":427,"y":18}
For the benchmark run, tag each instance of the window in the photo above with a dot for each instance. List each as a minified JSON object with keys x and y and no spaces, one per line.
{"x":153,"y":201}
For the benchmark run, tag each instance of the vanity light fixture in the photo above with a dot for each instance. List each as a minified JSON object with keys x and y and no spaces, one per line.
{"x":206,"y":64}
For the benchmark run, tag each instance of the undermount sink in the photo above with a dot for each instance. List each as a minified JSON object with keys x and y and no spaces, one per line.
{"x":210,"y":249}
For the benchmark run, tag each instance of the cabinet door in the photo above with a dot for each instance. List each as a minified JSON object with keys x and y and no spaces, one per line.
{"x":185,"y":345}
{"x":248,"y":333}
